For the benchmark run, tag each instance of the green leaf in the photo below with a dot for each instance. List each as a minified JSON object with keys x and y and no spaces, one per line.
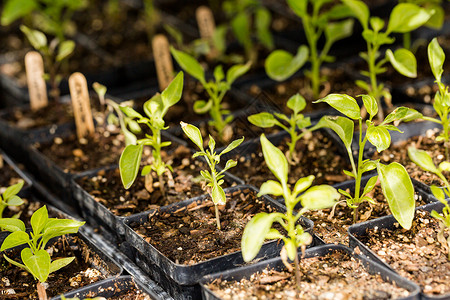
{"x":263,"y":120}
{"x":14,"y":201}
{"x":189,"y":64}
{"x":422,"y":159}
{"x":65,"y":49}
{"x":297,"y":103}
{"x":379,"y":137}
{"x":299,"y":7}
{"x":370,"y":103}
{"x":346,"y":194}
{"x":232,"y":145}
{"x":218,"y":195}
{"x":438,"y":193}
{"x":436,"y":57}
{"x":360,"y":10}
{"x":38,"y":264}
{"x":339,"y":30}
{"x":444,"y":166}
{"x":437,"y":16}
{"x":39,"y":220}
{"x":376,"y":23}
{"x":403,"y":61}
{"x":36,"y":38}
{"x":368,"y":166}
{"x":219,"y":75}
{"x":399,"y":192}
{"x":275,"y":160}
{"x":302,"y":184}
{"x":15,"y":9}
{"x":280,"y":64}
{"x":130,"y":112}
{"x":193,"y":133}
{"x":15,"y":263}
{"x":230,"y":164}
{"x":398,"y":114}
{"x":14,"y":239}
{"x":263,"y":21}
{"x":58,"y":227}
{"x":11,"y":224}
{"x":370,"y":185}
{"x":436,"y":215}
{"x":255,"y":233}
{"x":241,"y":28}
{"x":319,"y":197}
{"x":348,"y":173}
{"x":406,"y":17}
{"x":344,"y":104}
{"x":13,"y":190}
{"x":342,"y":126}
{"x":291,"y":248}
{"x":172,"y":94}
{"x":237,"y":71}
{"x":129,"y":163}
{"x":202,"y":107}
{"x":270,"y":187}
{"x":60,"y":263}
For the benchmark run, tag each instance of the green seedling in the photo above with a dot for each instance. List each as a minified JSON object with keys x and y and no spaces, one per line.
{"x":424,"y":161}
{"x":54,"y":54}
{"x":10,"y":198}
{"x":259,"y":228}
{"x":151,"y":17}
{"x":317,"y":22}
{"x":116,"y":116}
{"x":242,"y":12}
{"x":216,"y":89}
{"x":405,"y":17}
{"x":212,"y":177}
{"x":155,"y":109}
{"x":395,"y":181}
{"x":295,"y":122}
{"x":35,"y":259}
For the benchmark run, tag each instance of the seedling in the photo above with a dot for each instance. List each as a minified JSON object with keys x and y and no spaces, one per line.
{"x":151,"y":17}
{"x":259,"y":228}
{"x":295,"y":122}
{"x":212,"y":177}
{"x":241,"y":14}
{"x":10,"y":198}
{"x":405,"y":17}
{"x":54,"y":54}
{"x":395,"y":181}
{"x":35,"y":259}
{"x":155,"y":109}
{"x":216,"y":89}
{"x":424,"y":161}
{"x":281,"y":65}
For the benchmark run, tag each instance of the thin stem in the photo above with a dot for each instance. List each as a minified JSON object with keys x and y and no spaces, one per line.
{"x":407,"y":40}
{"x":356,"y":199}
{"x":42,"y":293}
{"x":162,"y":186}
{"x":217,"y":217}
{"x":297,"y":271}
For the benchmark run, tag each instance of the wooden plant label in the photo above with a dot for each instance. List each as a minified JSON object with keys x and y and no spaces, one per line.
{"x":34,"y":66}
{"x":163,"y":60}
{"x":81,"y":105}
{"x":1,"y":161}
{"x":205,"y":21}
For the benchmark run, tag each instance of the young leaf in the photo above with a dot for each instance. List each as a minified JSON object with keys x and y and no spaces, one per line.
{"x":193,"y":133}
{"x":202,"y":107}
{"x":263,"y":21}
{"x":14,"y":201}
{"x":379,"y":137}
{"x":15,"y":9}
{"x":422,"y":159}
{"x":232,"y":145}
{"x":436,"y":57}
{"x":65,"y":49}
{"x":237,"y":71}
{"x":14,"y":263}
{"x":403,"y":61}
{"x":189,"y":64}
{"x":38,"y":264}
{"x":129,"y":163}
{"x":280,"y":64}
{"x":299,"y":7}
{"x":344,"y":104}
{"x":39,"y":219}
{"x":230,"y":164}
{"x":438,"y":193}
{"x":302,"y":184}
{"x":14,"y":239}
{"x":406,"y":17}
{"x":339,"y":30}
{"x":319,"y":197}
{"x":263,"y":120}
{"x":218,"y":195}
{"x":130,"y":112}
{"x":60,"y":263}
{"x":275,"y":159}
{"x":270,"y":187}
{"x":360,"y":10}
{"x":36,"y":38}
{"x":297,"y":103}
{"x":370,"y":184}
{"x":13,"y":190}
{"x":342,"y":126}
{"x":172,"y":94}
{"x":399,"y":192}
{"x":370,"y":103}
{"x":11,"y":224}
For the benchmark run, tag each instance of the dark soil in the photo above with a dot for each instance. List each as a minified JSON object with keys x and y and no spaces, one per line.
{"x":134,"y":294}
{"x":334,"y":276}
{"x":8,"y":176}
{"x":318,"y":156}
{"x":184,"y":183}
{"x":415,"y":254}
{"x":333,"y":228}
{"x":190,"y":235}
{"x":85,"y":269}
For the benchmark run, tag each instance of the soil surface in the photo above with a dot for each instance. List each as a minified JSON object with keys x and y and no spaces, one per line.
{"x":18,"y":284}
{"x":415,"y":254}
{"x":190,"y":235}
{"x":8,"y":176}
{"x":333,"y":276}
{"x":317,"y":154}
{"x":184,"y":183}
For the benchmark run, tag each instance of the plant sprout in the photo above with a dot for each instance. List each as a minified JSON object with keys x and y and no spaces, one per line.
{"x":404,"y":17}
{"x":155,"y":109}
{"x":35,"y":259}
{"x":259,"y":228}
{"x":216,"y":89}
{"x":395,"y":181}
{"x":212,"y":177}
{"x":281,"y":65}
{"x":10,"y":198}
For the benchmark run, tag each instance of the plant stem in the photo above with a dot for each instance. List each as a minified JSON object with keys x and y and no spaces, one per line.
{"x":297,"y":271}
{"x":217,"y":217}
{"x":407,"y":40}
{"x":42,"y":294}
{"x":374,"y":92}
{"x":356,"y":199}
{"x":162,"y":186}
{"x":2,"y":208}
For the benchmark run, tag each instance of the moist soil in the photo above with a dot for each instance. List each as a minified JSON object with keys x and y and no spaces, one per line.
{"x":398,"y":153}
{"x":415,"y":254}
{"x":317,"y":154}
{"x":85,"y":269}
{"x":184,"y":183}
{"x":332,"y":228}
{"x":336,"y":275}
{"x":8,"y":176}
{"x":189,"y":235}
